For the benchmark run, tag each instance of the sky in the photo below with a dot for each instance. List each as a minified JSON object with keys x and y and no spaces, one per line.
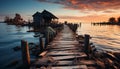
{"x":66,"y":10}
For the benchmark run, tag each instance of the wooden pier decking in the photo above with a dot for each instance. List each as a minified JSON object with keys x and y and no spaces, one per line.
{"x":64,"y":52}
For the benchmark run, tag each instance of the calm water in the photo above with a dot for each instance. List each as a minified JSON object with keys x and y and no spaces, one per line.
{"x":10,"y":36}
{"x":105,"y":37}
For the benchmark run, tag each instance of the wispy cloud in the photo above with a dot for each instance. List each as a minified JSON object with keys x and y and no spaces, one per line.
{"x":87,"y":5}
{"x":109,"y":11}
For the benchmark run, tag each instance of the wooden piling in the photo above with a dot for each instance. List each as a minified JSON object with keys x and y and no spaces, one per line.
{"x":86,"y":44}
{"x":47,"y":35}
{"x":52,"y":36}
{"x":25,"y":54}
{"x":41,"y":43}
{"x":44,"y":42}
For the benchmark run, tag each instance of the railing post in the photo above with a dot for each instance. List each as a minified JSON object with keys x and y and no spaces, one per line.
{"x":86,"y":44}
{"x":47,"y":37}
{"x":44,"y":42}
{"x":41,"y":43}
{"x":25,"y":54}
{"x":52,"y":36}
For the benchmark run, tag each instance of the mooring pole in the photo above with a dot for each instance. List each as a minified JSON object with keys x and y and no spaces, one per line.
{"x":44,"y":42}
{"x":25,"y":54}
{"x":41,"y":43}
{"x":47,"y":37}
{"x":86,"y":44}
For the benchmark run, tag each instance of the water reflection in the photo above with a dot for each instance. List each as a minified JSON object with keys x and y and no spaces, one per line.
{"x":10,"y":37}
{"x":105,"y":37}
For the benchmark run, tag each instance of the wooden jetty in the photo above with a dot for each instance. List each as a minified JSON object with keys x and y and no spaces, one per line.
{"x":68,"y":51}
{"x":64,"y":52}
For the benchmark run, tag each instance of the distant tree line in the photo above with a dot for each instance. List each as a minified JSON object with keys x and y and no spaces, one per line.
{"x":114,"y":20}
{"x":16,"y":20}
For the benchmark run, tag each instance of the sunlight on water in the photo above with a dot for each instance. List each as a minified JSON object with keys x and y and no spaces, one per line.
{"x":105,"y":37}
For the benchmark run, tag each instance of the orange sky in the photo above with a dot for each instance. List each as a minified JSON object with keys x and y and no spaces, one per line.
{"x":66,"y":10}
{"x":86,"y":10}
{"x":88,"y":19}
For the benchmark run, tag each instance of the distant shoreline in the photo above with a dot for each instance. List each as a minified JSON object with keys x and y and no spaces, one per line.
{"x":1,"y":21}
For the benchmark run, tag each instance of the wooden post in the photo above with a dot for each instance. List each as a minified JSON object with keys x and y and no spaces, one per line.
{"x":53,"y":35}
{"x":25,"y":54}
{"x":86,"y":44}
{"x":47,"y":37}
{"x":44,"y":42}
{"x":41,"y":43}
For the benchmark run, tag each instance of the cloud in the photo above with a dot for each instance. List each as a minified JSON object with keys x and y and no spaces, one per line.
{"x":87,"y":5}
{"x":83,"y":17}
{"x":109,"y":11}
{"x":88,"y":18}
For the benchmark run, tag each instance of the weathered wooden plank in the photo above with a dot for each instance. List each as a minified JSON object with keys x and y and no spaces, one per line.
{"x":63,"y":63}
{"x":63,"y":57}
{"x":87,"y":62}
{"x":71,"y":67}
{"x":42,"y":54}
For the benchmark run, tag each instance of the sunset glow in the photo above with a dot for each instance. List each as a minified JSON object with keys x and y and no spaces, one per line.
{"x":67,"y":10}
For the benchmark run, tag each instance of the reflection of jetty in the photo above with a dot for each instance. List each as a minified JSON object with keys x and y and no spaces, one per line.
{"x":65,"y":52}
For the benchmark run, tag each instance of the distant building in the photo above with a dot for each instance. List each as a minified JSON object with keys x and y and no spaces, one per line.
{"x":44,"y":18}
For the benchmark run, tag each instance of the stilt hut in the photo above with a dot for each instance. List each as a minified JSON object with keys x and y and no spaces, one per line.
{"x":44,"y":18}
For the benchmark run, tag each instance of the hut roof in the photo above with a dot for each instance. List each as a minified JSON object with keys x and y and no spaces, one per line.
{"x":37,"y":14}
{"x":45,"y":14}
{"x":48,"y":14}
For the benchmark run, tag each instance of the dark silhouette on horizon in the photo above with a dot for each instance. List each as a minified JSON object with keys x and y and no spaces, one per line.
{"x":18,"y":20}
{"x":111,"y":21}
